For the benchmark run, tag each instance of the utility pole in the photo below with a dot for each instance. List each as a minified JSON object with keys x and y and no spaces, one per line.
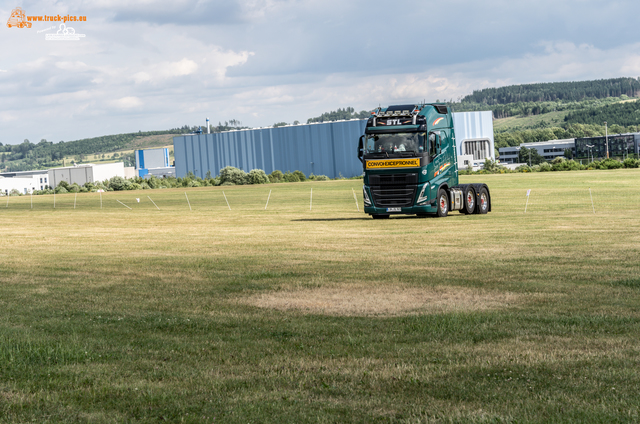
{"x":606,"y":138}
{"x":529,"y":158}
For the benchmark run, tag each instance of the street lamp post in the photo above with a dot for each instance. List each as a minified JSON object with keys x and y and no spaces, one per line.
{"x":606,"y":138}
{"x":590,"y":151}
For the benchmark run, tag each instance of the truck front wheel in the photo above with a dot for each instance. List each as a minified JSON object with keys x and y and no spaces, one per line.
{"x":443,"y":203}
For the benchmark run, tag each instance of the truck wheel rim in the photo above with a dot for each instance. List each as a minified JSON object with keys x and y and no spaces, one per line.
{"x":483,"y":201}
{"x":470,"y":199}
{"x":443,"y":203}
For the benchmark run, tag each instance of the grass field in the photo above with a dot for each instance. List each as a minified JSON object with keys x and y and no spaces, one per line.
{"x":112,"y":315}
{"x":512,"y":123}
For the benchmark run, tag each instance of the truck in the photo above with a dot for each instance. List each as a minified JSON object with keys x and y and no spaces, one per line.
{"x":410,"y":164}
{"x":18,"y":19}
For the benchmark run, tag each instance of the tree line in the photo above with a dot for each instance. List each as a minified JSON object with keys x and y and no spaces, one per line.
{"x":553,"y":91}
{"x":534,"y":108}
{"x":340,"y":114}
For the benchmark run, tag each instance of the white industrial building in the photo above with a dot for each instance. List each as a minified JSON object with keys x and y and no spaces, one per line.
{"x":86,"y":173}
{"x":24,"y":182}
{"x":474,"y":138}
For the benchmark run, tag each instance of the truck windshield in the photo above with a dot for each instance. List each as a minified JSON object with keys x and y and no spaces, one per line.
{"x":395,"y":143}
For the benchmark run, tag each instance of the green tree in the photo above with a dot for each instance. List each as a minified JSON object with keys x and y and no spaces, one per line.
{"x":525,"y":155}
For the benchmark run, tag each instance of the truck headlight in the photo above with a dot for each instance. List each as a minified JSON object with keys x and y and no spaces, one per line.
{"x":367,"y":201}
{"x":421,"y":197}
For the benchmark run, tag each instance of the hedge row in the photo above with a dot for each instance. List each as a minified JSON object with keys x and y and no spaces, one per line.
{"x":558,"y":164}
{"x":228,"y":176}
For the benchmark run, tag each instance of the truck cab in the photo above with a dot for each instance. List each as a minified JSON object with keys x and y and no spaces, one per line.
{"x":409,"y":160}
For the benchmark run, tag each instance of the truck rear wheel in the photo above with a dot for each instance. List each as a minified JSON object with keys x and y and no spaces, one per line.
{"x":469,"y":201}
{"x":443,"y":203}
{"x":376,"y":216}
{"x":483,"y":201}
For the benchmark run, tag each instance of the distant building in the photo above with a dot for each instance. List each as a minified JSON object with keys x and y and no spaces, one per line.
{"x":620,"y":145}
{"x":547,"y":149}
{"x":153,"y":162}
{"x":25,"y":182}
{"x":85,"y":173}
{"x":474,"y":136}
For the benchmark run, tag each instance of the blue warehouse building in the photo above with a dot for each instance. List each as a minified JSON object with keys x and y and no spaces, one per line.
{"x":321,"y":149}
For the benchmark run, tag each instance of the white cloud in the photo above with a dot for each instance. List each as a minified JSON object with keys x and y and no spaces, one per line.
{"x":127,"y":102}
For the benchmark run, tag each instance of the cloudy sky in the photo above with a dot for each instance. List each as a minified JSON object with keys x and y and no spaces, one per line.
{"x":154,"y":65}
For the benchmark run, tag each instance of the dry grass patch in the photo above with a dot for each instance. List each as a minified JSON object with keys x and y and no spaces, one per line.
{"x":361,"y":300}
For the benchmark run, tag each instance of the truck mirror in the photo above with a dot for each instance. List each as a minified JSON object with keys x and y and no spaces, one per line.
{"x":361,"y":148}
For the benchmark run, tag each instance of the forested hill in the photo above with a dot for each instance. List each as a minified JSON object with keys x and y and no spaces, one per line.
{"x":554,"y":91}
{"x":336,"y":115}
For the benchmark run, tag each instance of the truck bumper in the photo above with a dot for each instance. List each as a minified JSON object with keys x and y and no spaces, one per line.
{"x":411,"y":210}
{"x":427,"y":207}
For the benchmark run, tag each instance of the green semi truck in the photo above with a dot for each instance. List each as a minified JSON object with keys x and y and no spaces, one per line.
{"x":410,"y":163}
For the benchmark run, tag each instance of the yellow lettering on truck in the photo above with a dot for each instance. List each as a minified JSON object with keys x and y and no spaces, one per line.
{"x":393,"y":163}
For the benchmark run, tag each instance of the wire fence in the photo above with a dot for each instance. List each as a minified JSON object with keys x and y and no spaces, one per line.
{"x":575,"y":201}
{"x":581,"y":200}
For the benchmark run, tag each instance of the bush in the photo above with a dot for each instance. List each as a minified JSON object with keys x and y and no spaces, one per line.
{"x":631,"y":163}
{"x":523,"y":168}
{"x":300,"y":175}
{"x":59,"y":190}
{"x":153,"y":182}
{"x":610,"y":164}
{"x":134,"y":186}
{"x":117,"y":183}
{"x":233,"y":175}
{"x":291,"y":177}
{"x":545,"y":167}
{"x":257,"y":176}
{"x":276,"y":176}
{"x":73,"y":188}
{"x":318,"y":177}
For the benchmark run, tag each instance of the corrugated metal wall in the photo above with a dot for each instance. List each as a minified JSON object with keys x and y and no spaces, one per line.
{"x":322,"y":149}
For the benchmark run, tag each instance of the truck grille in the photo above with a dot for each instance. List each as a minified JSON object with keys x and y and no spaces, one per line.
{"x":393,"y":190}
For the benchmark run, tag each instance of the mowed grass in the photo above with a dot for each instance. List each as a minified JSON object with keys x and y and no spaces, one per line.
{"x":324,"y":315}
